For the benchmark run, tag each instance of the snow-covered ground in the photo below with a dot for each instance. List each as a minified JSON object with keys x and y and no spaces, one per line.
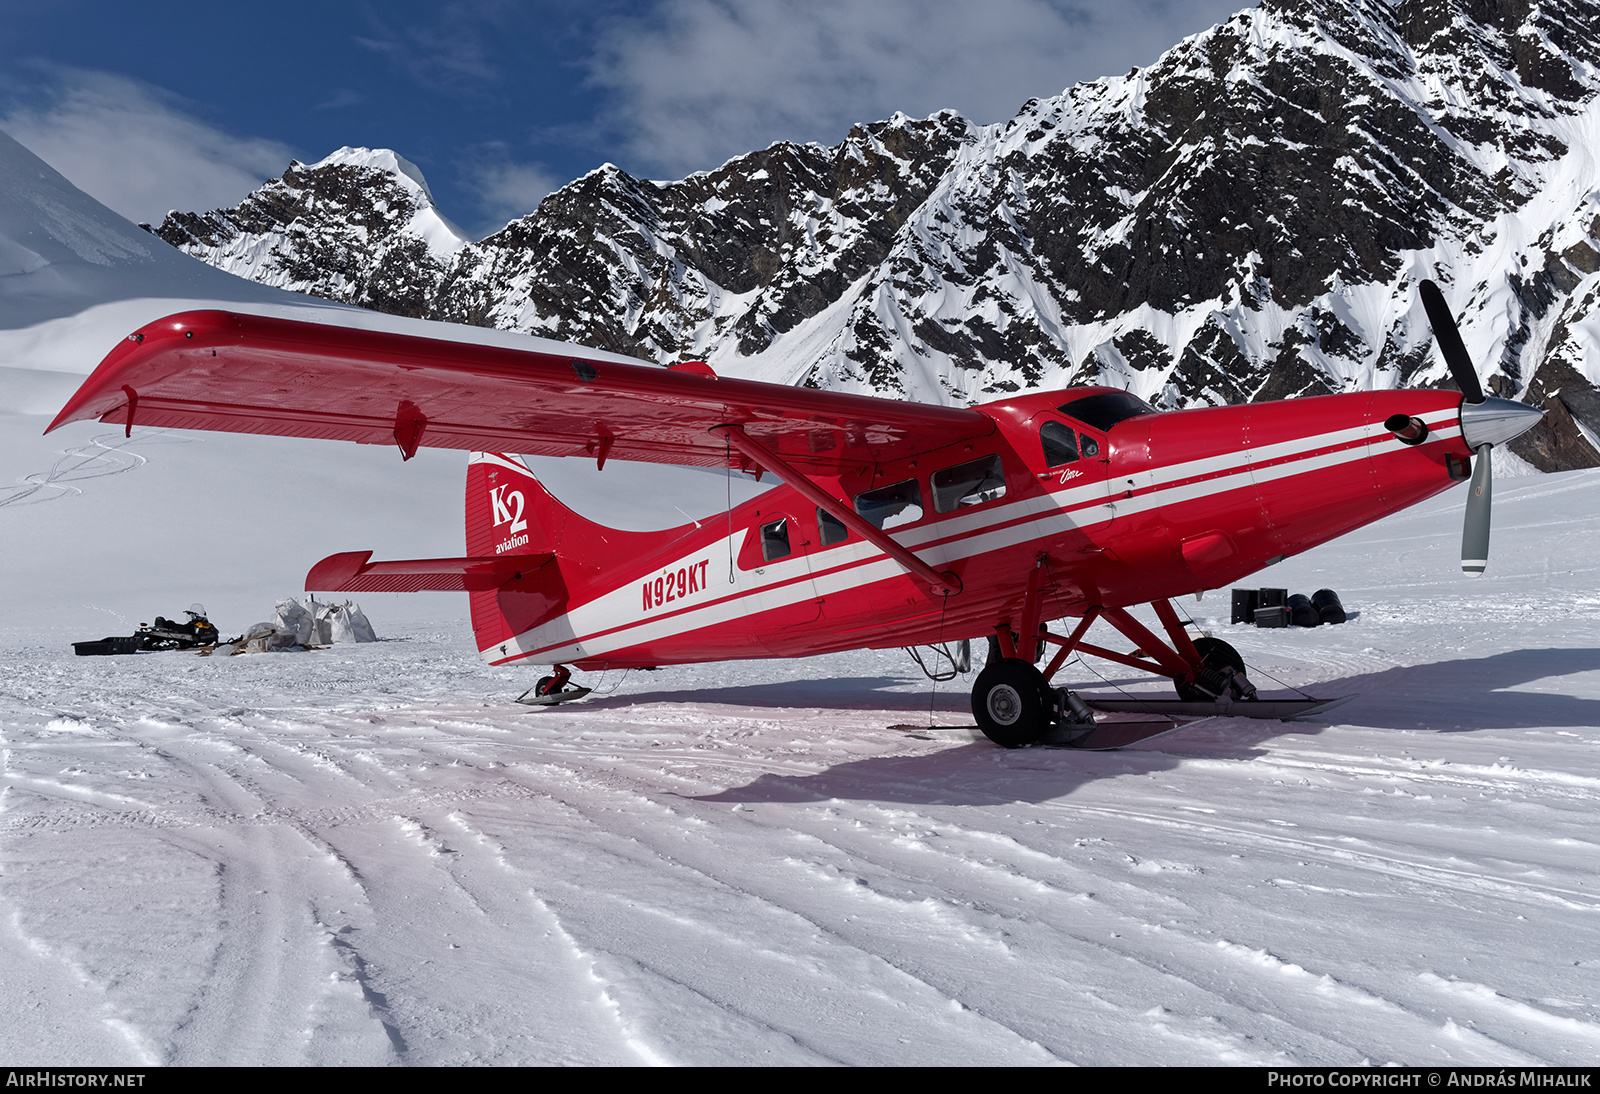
{"x":371,"y":854}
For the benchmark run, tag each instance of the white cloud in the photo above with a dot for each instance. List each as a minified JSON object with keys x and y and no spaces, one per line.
{"x":134,"y":148}
{"x":698,"y":81}
{"x":511,"y":190}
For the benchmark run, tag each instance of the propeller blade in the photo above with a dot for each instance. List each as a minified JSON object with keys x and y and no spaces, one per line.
{"x":1475,"y":529}
{"x":1450,"y":344}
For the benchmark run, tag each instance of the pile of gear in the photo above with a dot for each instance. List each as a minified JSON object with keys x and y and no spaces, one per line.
{"x":296,"y":625}
{"x":303,"y":625}
{"x":1276,"y":608}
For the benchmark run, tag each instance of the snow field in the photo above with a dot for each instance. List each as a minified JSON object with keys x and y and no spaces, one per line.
{"x":370,"y":854}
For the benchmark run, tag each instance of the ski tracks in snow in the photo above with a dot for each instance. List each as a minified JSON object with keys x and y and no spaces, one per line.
{"x":107,"y":454}
{"x":369,"y":855}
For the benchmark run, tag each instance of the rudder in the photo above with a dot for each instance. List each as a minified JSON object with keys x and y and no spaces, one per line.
{"x":509,"y":512}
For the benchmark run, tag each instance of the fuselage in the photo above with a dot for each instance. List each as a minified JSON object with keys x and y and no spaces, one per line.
{"x":1118,"y":504}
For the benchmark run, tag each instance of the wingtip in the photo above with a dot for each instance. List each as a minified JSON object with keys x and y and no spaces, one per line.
{"x":73,"y":411}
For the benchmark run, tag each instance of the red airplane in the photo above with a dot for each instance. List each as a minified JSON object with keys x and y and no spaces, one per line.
{"x":896,"y":524}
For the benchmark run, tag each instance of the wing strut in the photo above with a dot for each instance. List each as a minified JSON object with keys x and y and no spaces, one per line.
{"x":945,"y":584}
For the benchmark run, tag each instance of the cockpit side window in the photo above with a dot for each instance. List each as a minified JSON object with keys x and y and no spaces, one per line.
{"x":1060,"y":444}
{"x":1105,"y":410}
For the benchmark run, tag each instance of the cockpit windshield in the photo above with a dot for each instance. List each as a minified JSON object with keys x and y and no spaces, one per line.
{"x":1106,"y":409}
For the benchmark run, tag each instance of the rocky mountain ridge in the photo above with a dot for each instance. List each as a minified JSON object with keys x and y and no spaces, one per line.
{"x":1245,"y":219}
{"x":359,"y":227}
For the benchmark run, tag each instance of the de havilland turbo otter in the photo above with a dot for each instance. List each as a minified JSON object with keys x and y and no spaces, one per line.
{"x":895,"y":524}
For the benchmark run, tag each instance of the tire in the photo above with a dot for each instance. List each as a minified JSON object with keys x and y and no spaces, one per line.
{"x":1011,"y":703}
{"x":1214,"y":654}
{"x":544,"y":682}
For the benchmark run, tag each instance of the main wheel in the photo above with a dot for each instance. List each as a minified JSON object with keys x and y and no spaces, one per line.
{"x":1011,"y":702}
{"x":1215,"y":655}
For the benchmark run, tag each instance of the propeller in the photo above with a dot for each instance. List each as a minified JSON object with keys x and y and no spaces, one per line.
{"x":1448,"y":337}
{"x":1485,"y":422}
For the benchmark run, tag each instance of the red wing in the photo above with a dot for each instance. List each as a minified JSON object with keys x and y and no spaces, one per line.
{"x":252,"y":374}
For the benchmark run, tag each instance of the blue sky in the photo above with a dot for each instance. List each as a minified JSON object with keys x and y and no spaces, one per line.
{"x":162,"y":105}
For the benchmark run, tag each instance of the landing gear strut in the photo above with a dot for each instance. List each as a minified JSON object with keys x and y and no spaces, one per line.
{"x":1015,"y":706}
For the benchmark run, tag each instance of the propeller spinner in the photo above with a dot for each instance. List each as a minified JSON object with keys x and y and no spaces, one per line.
{"x":1485,"y":422}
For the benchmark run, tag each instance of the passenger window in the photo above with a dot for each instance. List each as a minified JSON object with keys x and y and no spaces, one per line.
{"x":1091,"y":447}
{"x":1060,"y":444}
{"x":775,"y":540}
{"x":831,"y":528}
{"x":891,"y":506}
{"x":970,"y":483}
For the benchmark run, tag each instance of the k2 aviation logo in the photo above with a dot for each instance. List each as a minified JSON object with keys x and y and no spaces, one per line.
{"x":503,"y":499}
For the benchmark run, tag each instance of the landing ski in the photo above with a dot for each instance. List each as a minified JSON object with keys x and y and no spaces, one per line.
{"x":1282,"y":710}
{"x":565,"y":695}
{"x":1109,"y":733}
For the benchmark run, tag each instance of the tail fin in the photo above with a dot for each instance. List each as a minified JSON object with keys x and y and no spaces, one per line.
{"x":509,"y":512}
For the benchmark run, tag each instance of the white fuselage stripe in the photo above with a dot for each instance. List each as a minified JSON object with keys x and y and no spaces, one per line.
{"x":610,"y":621}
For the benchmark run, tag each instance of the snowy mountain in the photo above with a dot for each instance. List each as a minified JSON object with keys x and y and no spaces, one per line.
{"x":1245,"y":219}
{"x":101,"y":529}
{"x":359,"y":226}
{"x":61,"y":252}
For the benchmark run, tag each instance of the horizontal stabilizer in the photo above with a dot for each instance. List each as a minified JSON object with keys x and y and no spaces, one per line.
{"x":350,"y":572}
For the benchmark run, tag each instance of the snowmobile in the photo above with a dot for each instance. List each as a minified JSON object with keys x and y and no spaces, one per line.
{"x":165,"y":634}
